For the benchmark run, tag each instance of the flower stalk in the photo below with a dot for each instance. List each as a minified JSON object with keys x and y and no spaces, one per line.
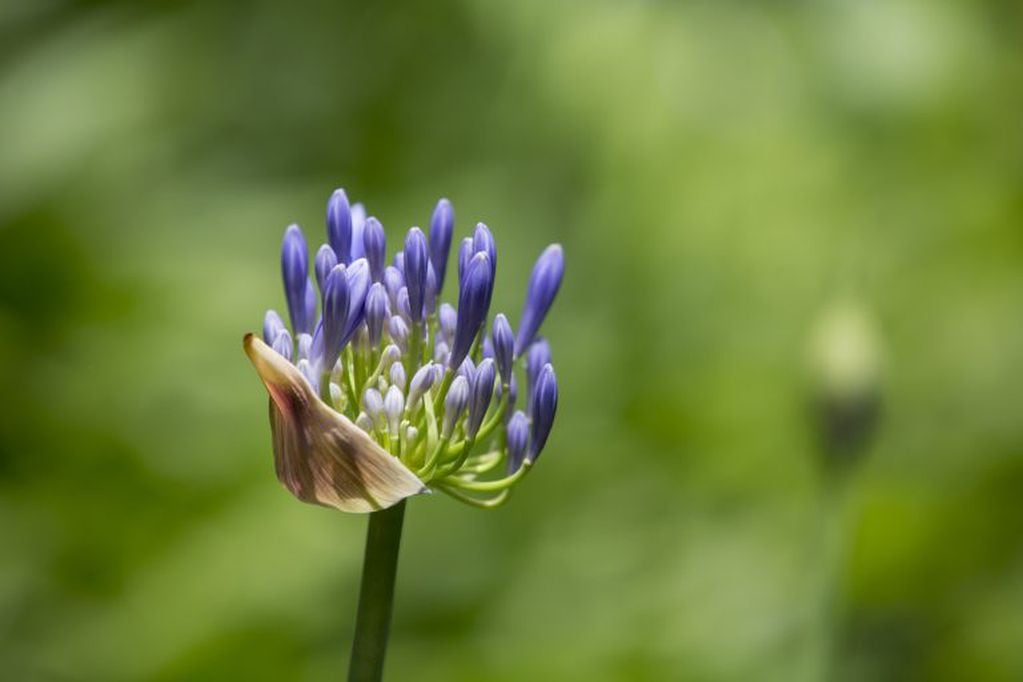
{"x":376,"y":594}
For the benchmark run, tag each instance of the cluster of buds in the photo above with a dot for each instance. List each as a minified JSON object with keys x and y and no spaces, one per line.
{"x":379,"y":391}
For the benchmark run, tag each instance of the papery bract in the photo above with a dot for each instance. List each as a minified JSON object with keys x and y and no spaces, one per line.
{"x":320,"y":456}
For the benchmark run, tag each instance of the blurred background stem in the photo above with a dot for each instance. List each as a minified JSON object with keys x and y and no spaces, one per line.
{"x":376,"y":596}
{"x":835,"y":511}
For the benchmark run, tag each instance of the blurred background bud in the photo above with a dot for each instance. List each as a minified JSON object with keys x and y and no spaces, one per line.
{"x":845,"y":377}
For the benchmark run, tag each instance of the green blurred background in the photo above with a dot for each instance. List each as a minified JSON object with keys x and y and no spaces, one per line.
{"x":723,"y":176}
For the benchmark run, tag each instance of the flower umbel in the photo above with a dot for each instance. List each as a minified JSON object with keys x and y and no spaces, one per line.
{"x":379,"y":391}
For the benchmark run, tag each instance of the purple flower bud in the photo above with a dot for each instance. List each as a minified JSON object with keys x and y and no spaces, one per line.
{"x":483,"y":240}
{"x":306,"y":369}
{"x":393,"y":282}
{"x":430,"y":293}
{"x":377,"y":312}
{"x":336,"y":302}
{"x":295,"y":271}
{"x":272,"y":326}
{"x":358,"y":230}
{"x":488,"y":347}
{"x":539,"y":355}
{"x":480,"y":393}
{"x":416,"y":260}
{"x":375,"y":242}
{"x":517,"y":439}
{"x":310,"y":302}
{"x":473,"y":299}
{"x":373,"y":404}
{"x":391,"y":355}
{"x":441,"y":352}
{"x":339,"y":225}
{"x":397,"y":375}
{"x":357,"y":275}
{"x":422,"y":380}
{"x":394,"y":407}
{"x":438,"y":373}
{"x":465,"y":254}
{"x":398,"y":331}
{"x":305,"y":345}
{"x":545,"y":405}
{"x":398,"y":262}
{"x":467,"y":369}
{"x":325,"y":261}
{"x":282,"y":344}
{"x":544,"y":283}
{"x":454,"y":404}
{"x":404,"y":306}
{"x":504,"y":346}
{"x":448,"y":320}
{"x":316,"y":347}
{"x":442,"y":226}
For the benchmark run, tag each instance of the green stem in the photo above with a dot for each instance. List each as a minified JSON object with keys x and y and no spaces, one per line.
{"x":496,"y":485}
{"x":483,"y":503}
{"x":376,"y":596}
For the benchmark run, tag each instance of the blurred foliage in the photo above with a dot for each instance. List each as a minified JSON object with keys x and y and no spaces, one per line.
{"x":721,"y":175}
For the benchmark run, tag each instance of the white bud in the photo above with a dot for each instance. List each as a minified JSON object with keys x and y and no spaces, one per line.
{"x":394,"y":408}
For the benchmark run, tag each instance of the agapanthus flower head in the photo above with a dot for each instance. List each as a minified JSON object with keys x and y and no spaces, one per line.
{"x":379,"y":390}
